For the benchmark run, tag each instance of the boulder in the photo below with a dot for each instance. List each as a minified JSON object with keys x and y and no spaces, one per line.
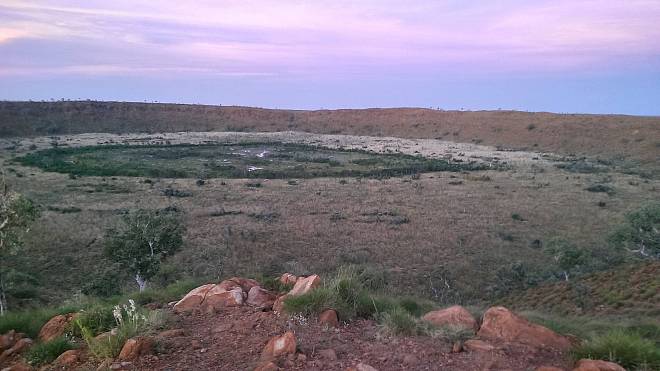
{"x":219,"y":298}
{"x":594,"y":365}
{"x":279,"y":345}
{"x":245,"y":284}
{"x":68,"y":358}
{"x":329,"y":318}
{"x":503,"y":325}
{"x":305,"y":285}
{"x":278,"y":305}
{"x":56,"y":327}
{"x":261,"y":298}
{"x":474,"y":345}
{"x":455,"y":317}
{"x":193,"y":299}
{"x":135,"y":347}
{"x":8,"y":340}
{"x":19,"y":347}
{"x":288,"y":279}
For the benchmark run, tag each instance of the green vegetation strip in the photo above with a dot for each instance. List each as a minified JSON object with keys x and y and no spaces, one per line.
{"x":244,"y":160}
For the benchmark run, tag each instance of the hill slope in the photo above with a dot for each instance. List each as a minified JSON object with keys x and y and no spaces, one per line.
{"x":611,"y":137}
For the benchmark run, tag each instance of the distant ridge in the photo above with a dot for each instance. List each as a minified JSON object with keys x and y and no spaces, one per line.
{"x":609,"y":137}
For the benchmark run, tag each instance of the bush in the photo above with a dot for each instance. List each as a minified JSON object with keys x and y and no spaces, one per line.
{"x":30,"y":322}
{"x":47,"y":352}
{"x":105,"y":284}
{"x":96,"y":319}
{"x":399,"y":321}
{"x":626,"y":348}
{"x":641,"y":232}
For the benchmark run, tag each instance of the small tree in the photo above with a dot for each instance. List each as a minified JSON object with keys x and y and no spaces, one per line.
{"x":16,"y":215}
{"x":640,"y":235}
{"x":567,"y":256}
{"x":144,"y":241}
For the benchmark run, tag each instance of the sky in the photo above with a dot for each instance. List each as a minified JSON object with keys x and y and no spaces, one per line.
{"x":592,"y":56}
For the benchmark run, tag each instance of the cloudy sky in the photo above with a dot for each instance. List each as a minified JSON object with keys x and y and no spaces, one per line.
{"x":555,"y":55}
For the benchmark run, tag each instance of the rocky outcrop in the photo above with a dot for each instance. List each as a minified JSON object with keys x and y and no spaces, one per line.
{"x":288,"y":279}
{"x":305,"y":285}
{"x":207,"y":298}
{"x":455,"y":317}
{"x":329,"y":318}
{"x":56,"y":327}
{"x":476,"y":345}
{"x":279,"y":345}
{"x":261,"y":298}
{"x":501,"y":324}
{"x":594,"y":365}
{"x":68,"y":358}
{"x":135,"y":347}
{"x":19,"y":347}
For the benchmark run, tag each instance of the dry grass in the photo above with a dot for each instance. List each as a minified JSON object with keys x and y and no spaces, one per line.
{"x":453,"y":240}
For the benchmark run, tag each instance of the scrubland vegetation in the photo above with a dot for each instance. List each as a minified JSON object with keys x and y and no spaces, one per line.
{"x":574,"y":243}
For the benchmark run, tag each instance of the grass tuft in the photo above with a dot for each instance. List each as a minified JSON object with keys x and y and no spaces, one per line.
{"x":627,"y":348}
{"x":43,"y":353}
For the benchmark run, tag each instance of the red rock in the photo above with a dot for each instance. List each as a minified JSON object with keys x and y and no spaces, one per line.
{"x":68,"y":358}
{"x":457,"y":347}
{"x":305,"y":285}
{"x":259,"y":297}
{"x":219,"y":298}
{"x":193,"y":299}
{"x":268,"y":366}
{"x":135,"y":347}
{"x":475,"y":345}
{"x":455,"y":317}
{"x":502,"y":324}
{"x":288,"y":279}
{"x":56,"y":327}
{"x":8,"y":340}
{"x":278,"y":305}
{"x":279,"y":345}
{"x":594,"y":365}
{"x":20,"y":346}
{"x":329,"y":318}
{"x":244,"y":283}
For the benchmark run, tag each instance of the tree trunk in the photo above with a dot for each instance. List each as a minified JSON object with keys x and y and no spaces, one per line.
{"x":566,"y":276}
{"x":142,"y":283}
{"x":3,"y":298}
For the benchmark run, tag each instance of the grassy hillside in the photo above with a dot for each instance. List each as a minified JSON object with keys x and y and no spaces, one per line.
{"x":610,"y":137}
{"x":629,"y":290}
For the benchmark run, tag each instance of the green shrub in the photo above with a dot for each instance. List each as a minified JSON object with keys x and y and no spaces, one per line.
{"x":47,"y":352}
{"x":399,"y":321}
{"x":30,"y":322}
{"x":641,"y":232}
{"x":96,"y":319}
{"x":626,"y":348}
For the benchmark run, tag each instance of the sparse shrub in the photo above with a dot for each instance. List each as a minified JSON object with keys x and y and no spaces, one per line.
{"x":640,"y":235}
{"x":601,"y":188}
{"x":398,"y":321}
{"x":517,"y":217}
{"x":531,"y":127}
{"x":129,"y":322}
{"x":567,"y":256}
{"x":146,"y":238}
{"x":171,"y":192}
{"x":253,"y":184}
{"x":626,"y":348}
{"x":200,"y":182}
{"x":43,"y":353}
